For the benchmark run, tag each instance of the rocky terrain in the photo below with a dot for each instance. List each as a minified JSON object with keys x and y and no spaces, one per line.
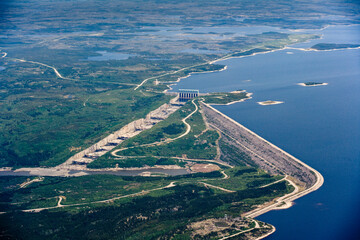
{"x":264,"y":154}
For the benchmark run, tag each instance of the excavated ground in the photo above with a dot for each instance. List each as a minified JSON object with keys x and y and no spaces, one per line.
{"x":81,"y":159}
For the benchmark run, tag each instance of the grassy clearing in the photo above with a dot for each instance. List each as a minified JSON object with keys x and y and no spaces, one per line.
{"x":202,"y":147}
{"x":243,"y":178}
{"x":197,"y":144}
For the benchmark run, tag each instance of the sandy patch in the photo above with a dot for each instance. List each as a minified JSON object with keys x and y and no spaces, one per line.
{"x":204,"y":167}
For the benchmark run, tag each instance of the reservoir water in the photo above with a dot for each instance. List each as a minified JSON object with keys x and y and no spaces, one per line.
{"x":319,"y":125}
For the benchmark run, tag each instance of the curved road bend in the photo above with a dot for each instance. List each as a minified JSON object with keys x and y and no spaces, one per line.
{"x":188,"y":129}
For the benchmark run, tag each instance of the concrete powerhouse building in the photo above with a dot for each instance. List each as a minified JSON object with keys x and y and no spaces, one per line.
{"x":187,"y":94}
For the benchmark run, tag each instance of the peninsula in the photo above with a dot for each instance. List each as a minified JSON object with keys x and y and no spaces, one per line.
{"x":238,"y":164}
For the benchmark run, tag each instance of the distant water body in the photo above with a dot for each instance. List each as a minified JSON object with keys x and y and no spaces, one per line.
{"x":319,"y":125}
{"x":105,"y":56}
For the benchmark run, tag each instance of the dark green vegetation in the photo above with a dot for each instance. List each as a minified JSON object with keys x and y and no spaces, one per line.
{"x":163,"y":213}
{"x":173,"y":129}
{"x":48,"y":131}
{"x":312,"y":83}
{"x":333,"y":46}
{"x":76,"y":190}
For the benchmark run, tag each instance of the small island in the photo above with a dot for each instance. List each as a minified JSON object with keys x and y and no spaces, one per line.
{"x":333,"y":46}
{"x":227,"y":98}
{"x":312,"y":84}
{"x":269,"y":102}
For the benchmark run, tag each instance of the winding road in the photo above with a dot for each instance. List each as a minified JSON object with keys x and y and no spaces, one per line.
{"x":59,"y":205}
{"x":241,"y":232}
{"x":188,"y":129}
{"x":45,"y":65}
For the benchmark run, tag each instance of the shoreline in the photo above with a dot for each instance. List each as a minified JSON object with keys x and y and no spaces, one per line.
{"x":287,"y":200}
{"x":325,"y":50}
{"x":267,"y":234}
{"x":225,"y":67}
{"x":311,"y":29}
{"x":189,"y":75}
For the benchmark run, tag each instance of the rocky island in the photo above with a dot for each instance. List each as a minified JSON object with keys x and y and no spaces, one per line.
{"x":269,"y":102}
{"x":312,"y":84}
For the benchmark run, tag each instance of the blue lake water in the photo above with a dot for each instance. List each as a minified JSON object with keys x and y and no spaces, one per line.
{"x":319,"y":125}
{"x":105,"y":56}
{"x":335,"y":34}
